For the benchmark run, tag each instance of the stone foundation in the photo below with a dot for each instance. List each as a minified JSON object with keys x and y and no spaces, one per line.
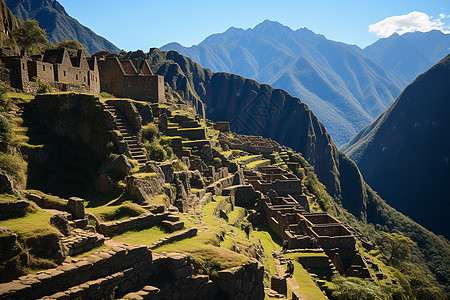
{"x":14,"y":209}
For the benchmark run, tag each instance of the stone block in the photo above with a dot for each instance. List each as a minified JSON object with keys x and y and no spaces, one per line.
{"x":6,"y":184}
{"x":172,"y":225}
{"x":76,"y":207}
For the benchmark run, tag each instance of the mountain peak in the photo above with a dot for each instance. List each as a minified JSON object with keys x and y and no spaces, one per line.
{"x":270,"y":25}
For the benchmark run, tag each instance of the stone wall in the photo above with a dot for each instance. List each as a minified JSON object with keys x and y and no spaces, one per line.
{"x":41,"y":70}
{"x":114,"y":79}
{"x":103,"y":272}
{"x":78,"y":117}
{"x":244,"y":282}
{"x":144,"y":221}
{"x":14,"y":209}
{"x":315,"y":261}
{"x":133,"y":272}
{"x":217,"y":187}
{"x":222,"y":126}
{"x":45,"y":203}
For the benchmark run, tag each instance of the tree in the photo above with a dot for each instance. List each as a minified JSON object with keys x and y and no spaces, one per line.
{"x":397,"y":247}
{"x":72,"y":44}
{"x":29,"y":36}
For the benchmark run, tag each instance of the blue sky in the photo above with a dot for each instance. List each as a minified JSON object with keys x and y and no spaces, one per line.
{"x":141,"y":24}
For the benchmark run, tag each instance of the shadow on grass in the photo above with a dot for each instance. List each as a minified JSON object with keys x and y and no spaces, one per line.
{"x":113,"y":199}
{"x":273,"y":235}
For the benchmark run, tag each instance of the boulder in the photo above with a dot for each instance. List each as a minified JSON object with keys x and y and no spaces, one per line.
{"x":61,"y":221}
{"x":120,"y":166}
{"x":144,"y":189}
{"x":167,"y":169}
{"x":6,"y":184}
{"x":153,"y":167}
{"x":111,"y":172}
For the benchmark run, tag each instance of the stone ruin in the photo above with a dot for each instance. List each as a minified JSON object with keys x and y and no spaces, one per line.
{"x":289,"y":217}
{"x":249,"y":143}
{"x":64,"y":69}
{"x":131,"y":78}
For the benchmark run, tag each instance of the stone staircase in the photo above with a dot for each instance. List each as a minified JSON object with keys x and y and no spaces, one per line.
{"x":135,"y":149}
{"x":82,"y":241}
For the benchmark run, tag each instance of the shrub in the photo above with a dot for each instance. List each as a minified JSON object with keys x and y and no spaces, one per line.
{"x":323,"y":204}
{"x":149,"y":132}
{"x":356,"y":288}
{"x":217,"y":162}
{"x":14,"y":166}
{"x":178,"y":165}
{"x":5,"y":133}
{"x":235,"y":153}
{"x":43,"y":87}
{"x":156,"y":151}
{"x":4,"y":100}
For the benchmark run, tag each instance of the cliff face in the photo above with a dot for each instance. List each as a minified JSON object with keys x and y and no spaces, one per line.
{"x":259,"y":109}
{"x":8,"y":21}
{"x":404,"y":155}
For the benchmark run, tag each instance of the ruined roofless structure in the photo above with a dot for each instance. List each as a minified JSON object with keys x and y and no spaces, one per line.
{"x":287,"y":212}
{"x":64,"y":69}
{"x":131,"y":78}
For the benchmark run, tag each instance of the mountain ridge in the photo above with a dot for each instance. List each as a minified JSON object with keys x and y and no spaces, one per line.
{"x":59,"y":25}
{"x":268,"y":53}
{"x":250,"y":106}
{"x":413,"y":128}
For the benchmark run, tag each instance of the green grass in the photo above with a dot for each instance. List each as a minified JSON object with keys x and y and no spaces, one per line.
{"x":143,"y":237}
{"x":269,"y":242}
{"x":257,"y":163}
{"x":145,"y":175}
{"x":8,"y":198}
{"x":306,"y":284}
{"x":207,"y":256}
{"x":118,"y":212}
{"x":20,"y":97}
{"x":31,"y":225}
{"x":246,"y":157}
{"x":238,"y":212}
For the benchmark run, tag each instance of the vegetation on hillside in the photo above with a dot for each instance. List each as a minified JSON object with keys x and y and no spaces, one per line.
{"x":30,"y":37}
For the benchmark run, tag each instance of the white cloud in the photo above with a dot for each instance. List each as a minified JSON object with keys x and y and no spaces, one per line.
{"x":414,"y":21}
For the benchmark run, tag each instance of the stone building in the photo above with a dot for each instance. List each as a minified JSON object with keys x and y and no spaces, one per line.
{"x":64,"y":69}
{"x":287,"y":214}
{"x":131,"y":78}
